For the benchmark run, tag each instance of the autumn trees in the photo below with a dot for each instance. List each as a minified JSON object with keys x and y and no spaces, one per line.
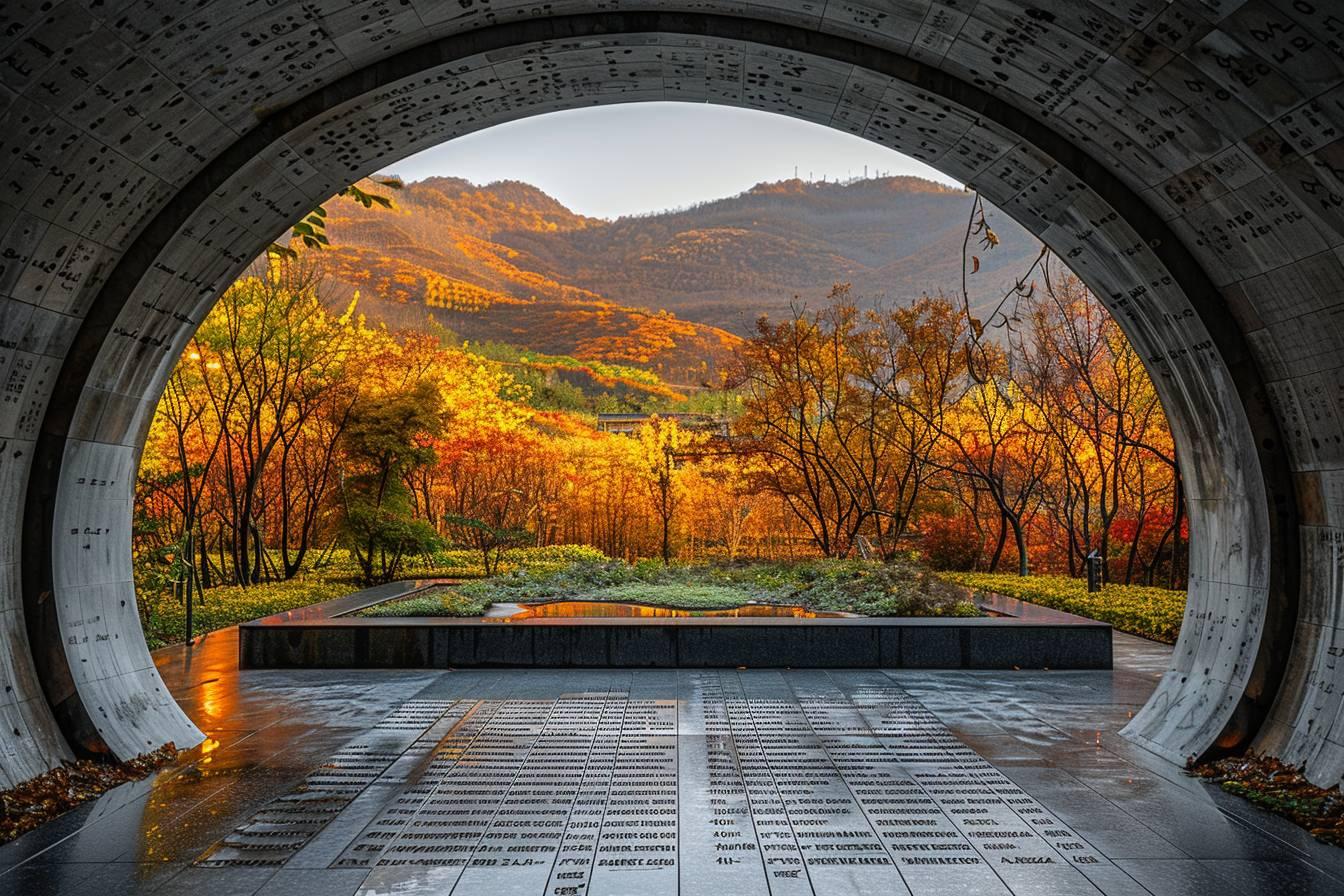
{"x":843,"y":410}
{"x":899,"y":422}
{"x":795,"y":379}
{"x":292,"y":432}
{"x":662,"y":444}
{"x":241,"y":446}
{"x":1118,"y":479}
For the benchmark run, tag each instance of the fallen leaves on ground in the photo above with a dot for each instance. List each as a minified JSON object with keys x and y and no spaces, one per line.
{"x":48,"y":795}
{"x":1282,"y":789}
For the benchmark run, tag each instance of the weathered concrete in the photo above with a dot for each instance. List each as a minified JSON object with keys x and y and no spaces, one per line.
{"x":1181,"y":156}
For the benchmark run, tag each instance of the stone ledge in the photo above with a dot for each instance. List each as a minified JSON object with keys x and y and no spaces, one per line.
{"x":305,"y":639}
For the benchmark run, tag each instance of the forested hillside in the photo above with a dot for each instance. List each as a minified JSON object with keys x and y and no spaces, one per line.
{"x":671,"y":292}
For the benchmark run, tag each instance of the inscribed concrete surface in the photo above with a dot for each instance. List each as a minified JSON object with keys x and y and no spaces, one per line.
{"x":1183,"y":157}
{"x":652,"y":781}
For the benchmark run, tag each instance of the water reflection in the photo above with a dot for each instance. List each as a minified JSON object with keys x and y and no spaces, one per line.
{"x":585,"y":609}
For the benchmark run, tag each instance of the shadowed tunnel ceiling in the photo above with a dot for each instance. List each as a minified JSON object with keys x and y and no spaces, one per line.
{"x":1185,"y":158}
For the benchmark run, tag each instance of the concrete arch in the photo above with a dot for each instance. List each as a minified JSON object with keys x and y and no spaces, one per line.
{"x":1177,"y":154}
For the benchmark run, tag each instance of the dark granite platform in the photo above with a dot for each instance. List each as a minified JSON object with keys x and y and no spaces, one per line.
{"x":320,"y":637}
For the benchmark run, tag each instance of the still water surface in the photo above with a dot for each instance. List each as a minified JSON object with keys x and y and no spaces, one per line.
{"x":568,"y":609}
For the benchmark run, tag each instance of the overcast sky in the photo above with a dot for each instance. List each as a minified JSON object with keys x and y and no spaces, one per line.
{"x":636,"y":157}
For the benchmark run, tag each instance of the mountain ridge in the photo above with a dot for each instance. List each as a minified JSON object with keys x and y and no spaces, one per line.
{"x":671,"y":291}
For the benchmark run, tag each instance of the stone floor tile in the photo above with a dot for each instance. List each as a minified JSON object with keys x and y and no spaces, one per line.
{"x":312,"y":882}
{"x":558,"y":781}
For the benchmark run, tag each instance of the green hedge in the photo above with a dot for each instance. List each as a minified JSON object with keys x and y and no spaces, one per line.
{"x":165,"y":617}
{"x":1154,"y":613}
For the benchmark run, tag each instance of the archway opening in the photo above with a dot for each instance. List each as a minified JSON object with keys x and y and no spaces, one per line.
{"x":1037,"y":323}
{"x":993,"y":419}
{"x":1057,"y":191}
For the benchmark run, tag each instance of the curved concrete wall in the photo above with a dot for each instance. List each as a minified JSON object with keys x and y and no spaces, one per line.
{"x":1178,"y":155}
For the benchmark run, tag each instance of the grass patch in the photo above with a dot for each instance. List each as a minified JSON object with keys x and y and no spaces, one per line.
{"x":1153,"y":613}
{"x":465,"y":564}
{"x":677,"y":595}
{"x":164,"y":616}
{"x":439,"y":600}
{"x":902,"y":588}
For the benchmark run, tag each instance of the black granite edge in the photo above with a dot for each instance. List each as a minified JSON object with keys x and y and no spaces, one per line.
{"x":603,"y":644}
{"x":271,"y":622}
{"x":318,"y":636}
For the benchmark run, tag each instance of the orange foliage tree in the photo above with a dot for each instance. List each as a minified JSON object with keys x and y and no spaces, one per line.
{"x":903,"y":427}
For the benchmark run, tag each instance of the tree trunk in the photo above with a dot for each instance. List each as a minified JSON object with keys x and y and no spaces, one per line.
{"x":1020,"y":537}
{"x":1003,"y":539}
{"x":667,"y":540}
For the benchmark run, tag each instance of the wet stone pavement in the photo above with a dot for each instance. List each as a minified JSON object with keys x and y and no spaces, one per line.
{"x":615,"y":782}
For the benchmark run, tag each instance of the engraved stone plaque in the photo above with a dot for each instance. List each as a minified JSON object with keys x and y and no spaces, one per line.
{"x":701,"y":782}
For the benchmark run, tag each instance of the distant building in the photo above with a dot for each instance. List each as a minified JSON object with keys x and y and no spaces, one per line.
{"x":628,"y":424}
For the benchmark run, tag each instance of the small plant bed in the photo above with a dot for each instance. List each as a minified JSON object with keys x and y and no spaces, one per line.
{"x":1153,"y":613}
{"x":1280,"y":788}
{"x":842,"y":614}
{"x":439,"y":600}
{"x":56,"y":792}
{"x":902,"y":588}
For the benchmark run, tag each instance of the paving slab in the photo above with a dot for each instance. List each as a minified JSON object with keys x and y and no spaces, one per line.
{"x":607,"y":782}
